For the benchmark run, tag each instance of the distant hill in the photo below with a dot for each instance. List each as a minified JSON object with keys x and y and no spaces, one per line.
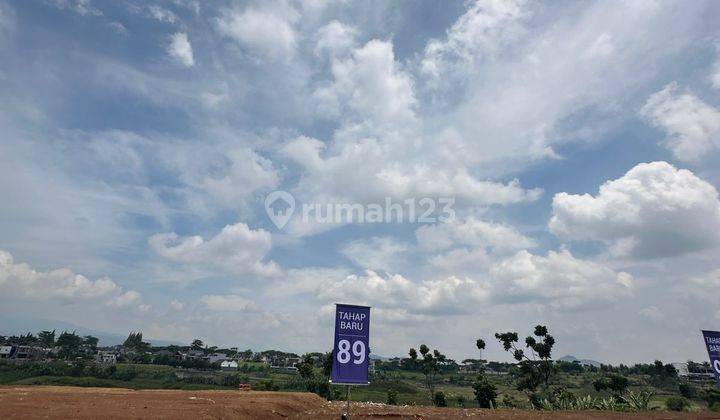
{"x":23,"y":325}
{"x":587,"y":362}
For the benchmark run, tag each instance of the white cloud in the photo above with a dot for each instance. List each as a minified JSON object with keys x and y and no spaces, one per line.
{"x":7,"y":20}
{"x":369,"y":171}
{"x":397,"y":292}
{"x":692,"y":126}
{"x":161,"y":14}
{"x":176,"y":305}
{"x":654,"y":210}
{"x":482,"y":30}
{"x":652,"y":313}
{"x":377,"y":253}
{"x":511,"y":87}
{"x":461,"y":261}
{"x":181,"y":50}
{"x":20,"y":282}
{"x":118,"y":27}
{"x":335,"y":39}
{"x":369,"y":86}
{"x":558,"y":280}
{"x":269,"y":31}
{"x":715,"y":75}
{"x":131,"y":297}
{"x":471,"y":232}
{"x":237,"y":250}
{"x":233,"y":303}
{"x":81,"y":7}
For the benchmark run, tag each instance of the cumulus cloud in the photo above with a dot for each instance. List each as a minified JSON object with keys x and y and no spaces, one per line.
{"x":268,"y":31}
{"x":181,"y":50}
{"x":692,"y":126}
{"x":471,"y":232}
{"x":369,"y":85}
{"x":232,"y":303}
{"x":176,"y":305}
{"x":367,"y":171}
{"x":505,"y":89}
{"x":19,"y":281}
{"x":654,"y":210}
{"x":557,"y":280}
{"x":131,"y":297}
{"x":377,"y":253}
{"x":481,"y":30}
{"x":396,"y":291}
{"x":335,"y":39}
{"x":237,"y":250}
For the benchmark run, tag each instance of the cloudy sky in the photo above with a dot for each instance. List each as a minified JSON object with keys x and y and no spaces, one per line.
{"x":579,"y":140}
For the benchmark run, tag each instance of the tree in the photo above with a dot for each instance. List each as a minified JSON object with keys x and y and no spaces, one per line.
{"x":47,"y":338}
{"x":90,"y":342}
{"x":392,"y":397}
{"x":197,"y":344}
{"x":135,"y":342}
{"x":69,"y":344}
{"x":485,"y":392}
{"x":306,"y":367}
{"x":616,"y":384}
{"x":430,"y":367}
{"x":535,"y":366}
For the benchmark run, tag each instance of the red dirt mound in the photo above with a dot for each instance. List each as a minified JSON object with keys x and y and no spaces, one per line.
{"x":86,"y":403}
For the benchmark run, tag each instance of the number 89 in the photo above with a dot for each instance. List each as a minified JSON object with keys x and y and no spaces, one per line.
{"x":358,"y":349}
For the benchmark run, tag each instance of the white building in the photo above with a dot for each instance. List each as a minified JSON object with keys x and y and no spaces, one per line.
{"x":229,"y":365}
{"x":106,"y":357}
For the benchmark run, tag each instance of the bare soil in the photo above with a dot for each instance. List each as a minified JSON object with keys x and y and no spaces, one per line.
{"x":113,"y":403}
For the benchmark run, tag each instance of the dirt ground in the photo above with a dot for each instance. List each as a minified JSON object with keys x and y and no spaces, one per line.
{"x":85,"y":403}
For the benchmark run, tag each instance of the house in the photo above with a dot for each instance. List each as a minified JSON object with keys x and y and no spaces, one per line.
{"x":21,"y":352}
{"x":106,"y":357}
{"x":228,"y":366}
{"x":216,"y":357}
{"x":7,"y":352}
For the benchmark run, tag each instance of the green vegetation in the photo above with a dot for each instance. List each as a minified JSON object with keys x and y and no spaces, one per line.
{"x":424,"y":377}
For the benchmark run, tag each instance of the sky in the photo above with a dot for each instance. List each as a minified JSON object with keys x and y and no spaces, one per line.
{"x":577,"y":144}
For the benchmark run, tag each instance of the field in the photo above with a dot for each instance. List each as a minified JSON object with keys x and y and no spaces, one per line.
{"x":85,"y":403}
{"x":407,"y":384}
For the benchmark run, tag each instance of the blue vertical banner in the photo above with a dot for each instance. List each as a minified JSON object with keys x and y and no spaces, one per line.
{"x":351,"y":351}
{"x":712,"y":342}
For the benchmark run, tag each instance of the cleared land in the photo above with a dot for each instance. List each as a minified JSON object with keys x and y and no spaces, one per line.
{"x":72,"y":402}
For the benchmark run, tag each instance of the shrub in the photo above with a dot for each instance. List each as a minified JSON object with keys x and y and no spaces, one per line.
{"x":485,"y":393}
{"x":439,"y":399}
{"x":639,"y":401}
{"x":677,"y":404}
{"x":509,"y":402}
{"x":392,"y":397}
{"x":711,"y":397}
{"x":607,"y":404}
{"x":687,"y":390}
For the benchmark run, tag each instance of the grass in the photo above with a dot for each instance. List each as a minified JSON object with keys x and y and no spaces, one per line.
{"x":409,"y":386}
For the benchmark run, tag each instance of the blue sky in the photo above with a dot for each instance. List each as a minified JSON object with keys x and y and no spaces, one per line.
{"x":579,"y":142}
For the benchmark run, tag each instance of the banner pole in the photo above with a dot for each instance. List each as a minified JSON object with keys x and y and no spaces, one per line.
{"x":347,"y":396}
